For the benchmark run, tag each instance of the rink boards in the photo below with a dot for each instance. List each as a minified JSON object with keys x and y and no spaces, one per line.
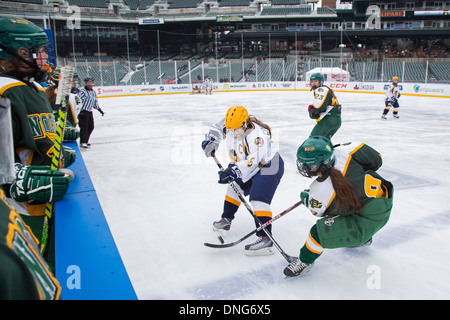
{"x":88,"y":264}
{"x":412,"y":89}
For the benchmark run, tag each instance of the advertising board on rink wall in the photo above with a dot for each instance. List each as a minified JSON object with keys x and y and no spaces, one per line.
{"x":413,"y":89}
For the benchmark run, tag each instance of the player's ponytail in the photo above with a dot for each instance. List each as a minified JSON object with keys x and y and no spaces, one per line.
{"x":345,"y":193}
{"x":253,"y":119}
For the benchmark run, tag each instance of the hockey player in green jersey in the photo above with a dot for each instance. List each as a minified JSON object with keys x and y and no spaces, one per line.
{"x":24,"y":274}
{"x":23,"y":65}
{"x":325,"y":108}
{"x":353,"y":201}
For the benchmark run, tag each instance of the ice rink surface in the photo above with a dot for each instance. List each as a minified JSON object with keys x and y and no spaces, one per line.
{"x":160,"y":196}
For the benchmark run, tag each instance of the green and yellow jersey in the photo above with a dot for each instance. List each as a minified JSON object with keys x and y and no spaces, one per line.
{"x":23,"y":272}
{"x":34,"y":126}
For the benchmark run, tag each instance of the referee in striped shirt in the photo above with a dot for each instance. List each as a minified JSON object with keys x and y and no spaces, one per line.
{"x":85,"y":117}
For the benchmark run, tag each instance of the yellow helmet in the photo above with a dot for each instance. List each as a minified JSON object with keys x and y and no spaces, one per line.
{"x":395,"y":78}
{"x":236,"y":117}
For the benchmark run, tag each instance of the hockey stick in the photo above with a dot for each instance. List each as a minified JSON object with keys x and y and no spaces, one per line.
{"x":284,"y":254}
{"x":232,"y":244}
{"x":62,"y":97}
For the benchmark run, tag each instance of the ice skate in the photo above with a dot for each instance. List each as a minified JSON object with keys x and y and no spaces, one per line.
{"x":296,"y":268}
{"x":365,"y":244}
{"x":396,"y":116}
{"x":222,"y":226}
{"x":261,"y":247}
{"x":383,"y":117}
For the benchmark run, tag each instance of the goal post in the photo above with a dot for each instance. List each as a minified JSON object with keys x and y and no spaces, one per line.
{"x":198,"y":87}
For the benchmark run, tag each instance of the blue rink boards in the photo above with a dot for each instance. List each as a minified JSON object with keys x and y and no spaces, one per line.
{"x":88,"y":264}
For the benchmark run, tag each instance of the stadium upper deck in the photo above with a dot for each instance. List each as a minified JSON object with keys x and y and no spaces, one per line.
{"x":241,"y":28}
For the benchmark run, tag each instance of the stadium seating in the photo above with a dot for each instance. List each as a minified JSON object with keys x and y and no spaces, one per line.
{"x":27,"y":1}
{"x":273,"y":71}
{"x":414,"y":71}
{"x":139,"y":4}
{"x":106,"y":75}
{"x":286,"y":11}
{"x":234,"y":3}
{"x":285,"y":2}
{"x":440,"y":70}
{"x":184,"y":4}
{"x":221,"y":71}
{"x":89,"y":3}
{"x":363,"y":71}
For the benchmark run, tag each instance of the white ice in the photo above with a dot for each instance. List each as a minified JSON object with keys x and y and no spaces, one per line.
{"x":160,"y":196}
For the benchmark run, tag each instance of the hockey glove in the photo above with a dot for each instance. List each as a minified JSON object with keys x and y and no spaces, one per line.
{"x":210,"y":146}
{"x":38,"y":183}
{"x":310,"y":107}
{"x":71,"y":134}
{"x":211,"y":143}
{"x":68,"y":157}
{"x":230,"y":174}
{"x":304,"y":195}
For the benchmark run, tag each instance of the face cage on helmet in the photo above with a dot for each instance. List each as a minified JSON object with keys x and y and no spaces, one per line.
{"x":313,"y":86}
{"x":304,"y":169}
{"x":32,"y":52}
{"x":308,"y":172}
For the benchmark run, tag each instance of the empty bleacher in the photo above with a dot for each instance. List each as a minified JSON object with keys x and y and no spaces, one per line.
{"x":414,"y":71}
{"x":106,"y":75}
{"x":220,"y":71}
{"x":363,"y":71}
{"x":440,"y":70}
{"x":234,"y":3}
{"x":139,"y":4}
{"x":286,"y":11}
{"x":285,"y":2}
{"x":89,"y":3}
{"x":273,"y":71}
{"x":178,"y":4}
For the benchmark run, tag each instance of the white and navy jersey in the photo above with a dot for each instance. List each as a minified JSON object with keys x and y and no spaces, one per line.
{"x":392,"y":93}
{"x":89,"y":100}
{"x":251,"y":152}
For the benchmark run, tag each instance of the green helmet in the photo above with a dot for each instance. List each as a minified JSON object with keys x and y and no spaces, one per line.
{"x":316,"y":76}
{"x":16,"y":33}
{"x":315,"y":156}
{"x":20,"y":40}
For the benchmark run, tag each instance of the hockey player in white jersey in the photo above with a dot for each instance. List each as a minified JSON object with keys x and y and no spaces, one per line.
{"x":208,"y":85}
{"x":256,"y":169}
{"x":391,"y":99}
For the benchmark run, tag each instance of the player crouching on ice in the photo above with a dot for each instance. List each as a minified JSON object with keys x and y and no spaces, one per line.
{"x":353,"y":200}
{"x":256,"y":169}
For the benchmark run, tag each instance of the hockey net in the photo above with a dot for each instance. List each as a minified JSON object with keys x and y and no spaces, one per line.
{"x":198,"y":87}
